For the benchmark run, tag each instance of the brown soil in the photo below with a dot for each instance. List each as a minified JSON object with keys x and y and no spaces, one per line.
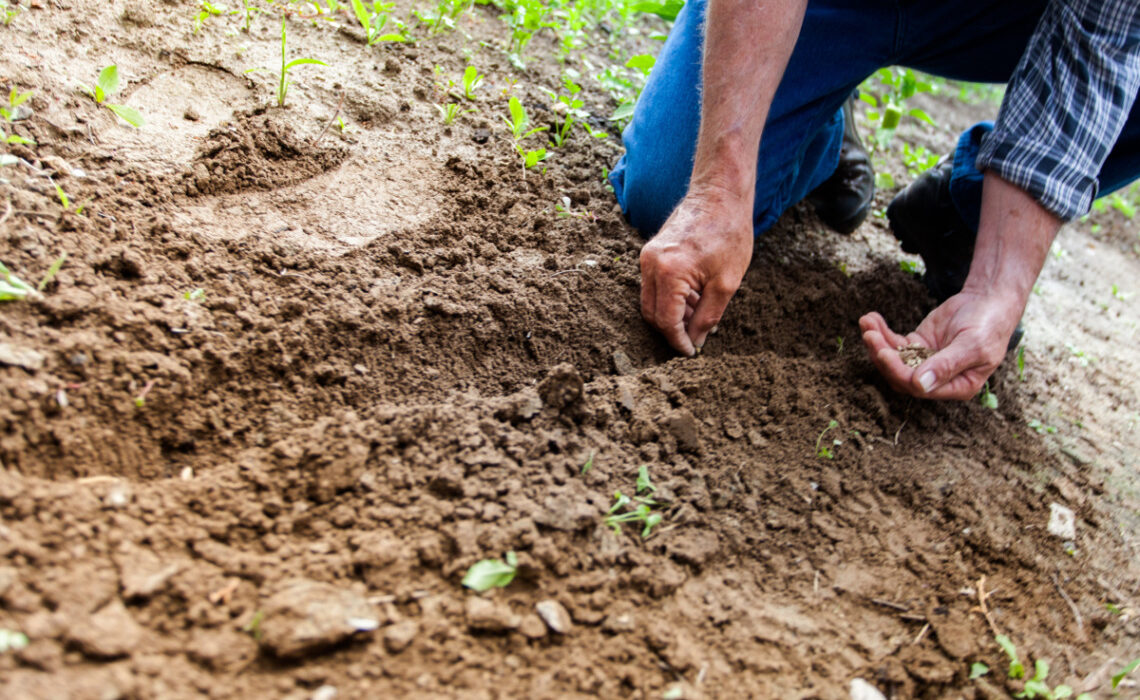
{"x":403,"y":356}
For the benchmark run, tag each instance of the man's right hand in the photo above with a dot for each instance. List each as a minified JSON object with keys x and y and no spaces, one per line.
{"x":693,"y":266}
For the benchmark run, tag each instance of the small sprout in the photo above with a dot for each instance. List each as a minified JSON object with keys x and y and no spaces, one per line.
{"x":884,"y":180}
{"x":471,"y":82}
{"x":448,"y":112}
{"x":839,"y":342}
{"x":140,"y":400}
{"x":195,"y":295}
{"x":589,"y":464}
{"x":15,"y":99}
{"x":1021,"y":363}
{"x":491,"y":573}
{"x":1041,"y":428}
{"x":1016,"y":668}
{"x":912,"y":267}
{"x":519,"y":120}
{"x":987,"y":398}
{"x":978,"y":669}
{"x":108,"y":84}
{"x":643,"y":481}
{"x":12,"y":288}
{"x":1116,"y":679}
{"x":372,"y":21}
{"x":11,"y":640}
{"x":212,"y":9}
{"x":642,"y":62}
{"x":253,"y":627}
{"x":822,"y":450}
{"x":283,"y":83}
{"x":52,"y":272}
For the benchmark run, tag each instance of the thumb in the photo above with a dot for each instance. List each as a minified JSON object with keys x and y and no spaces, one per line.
{"x":714,"y":300}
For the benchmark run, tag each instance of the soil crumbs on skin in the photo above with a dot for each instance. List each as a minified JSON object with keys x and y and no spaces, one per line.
{"x":402,"y":360}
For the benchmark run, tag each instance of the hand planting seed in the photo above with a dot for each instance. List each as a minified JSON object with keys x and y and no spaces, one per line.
{"x":108,"y":84}
{"x":491,"y":573}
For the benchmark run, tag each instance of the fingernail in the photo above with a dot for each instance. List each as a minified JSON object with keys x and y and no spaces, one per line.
{"x":927,"y":381}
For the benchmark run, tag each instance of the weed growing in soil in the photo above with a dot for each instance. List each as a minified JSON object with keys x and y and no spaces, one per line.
{"x":253,"y":627}
{"x":471,"y":82}
{"x":1116,"y":679}
{"x":108,"y":84}
{"x":641,"y":513}
{"x":283,"y":83}
{"x":492,"y":573}
{"x":15,"y":99}
{"x":9,"y":11}
{"x":570,"y":104}
{"x":445,"y":15}
{"x":449,"y":112}
{"x":195,"y":295}
{"x":822,"y":450}
{"x":1021,"y":363}
{"x":373,"y":19}
{"x":588,"y":465}
{"x":12,"y":288}
{"x":211,"y":10}
{"x":987,"y":398}
{"x":518,"y":124}
{"x":1035,"y":687}
{"x":978,"y":669}
{"x":887,"y":100}
{"x":56,"y":266}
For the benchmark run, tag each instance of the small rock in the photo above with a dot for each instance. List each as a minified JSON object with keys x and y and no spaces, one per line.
{"x":555,"y":616}
{"x":1062,"y":522}
{"x":146,"y":579}
{"x":108,"y":634}
{"x":191,"y":115}
{"x":862,"y":690}
{"x":625,"y":398}
{"x":532,"y":627}
{"x":21,"y":357}
{"x":78,"y":359}
{"x":616,"y":624}
{"x":486,"y":616}
{"x":622,"y":364}
{"x":325,"y":692}
{"x":399,"y":636}
{"x":757,"y":439}
{"x":683,"y":426}
{"x":307,"y":616}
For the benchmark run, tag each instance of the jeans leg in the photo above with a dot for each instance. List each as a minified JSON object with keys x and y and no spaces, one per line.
{"x":841,"y":43}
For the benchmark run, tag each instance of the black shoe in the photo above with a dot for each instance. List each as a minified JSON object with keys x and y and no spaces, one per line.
{"x":843,"y":201}
{"x":925,"y":221}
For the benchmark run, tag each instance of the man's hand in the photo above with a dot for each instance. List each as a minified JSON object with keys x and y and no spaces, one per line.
{"x":970,"y":330}
{"x":691,"y":269}
{"x":969,"y":334}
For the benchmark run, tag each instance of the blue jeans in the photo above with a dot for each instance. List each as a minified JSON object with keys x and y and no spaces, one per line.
{"x":842,"y":42}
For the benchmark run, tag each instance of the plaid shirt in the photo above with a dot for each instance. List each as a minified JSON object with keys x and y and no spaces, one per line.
{"x":1067,"y":103}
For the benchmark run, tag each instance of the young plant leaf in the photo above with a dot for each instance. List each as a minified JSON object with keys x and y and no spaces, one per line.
{"x":108,"y":81}
{"x":303,"y":61}
{"x":1016,"y":668}
{"x":1124,"y":672}
{"x":127,"y":114}
{"x":12,"y":288}
{"x":643,"y":482}
{"x":52,"y":272}
{"x":491,"y":573}
{"x":624,"y":111}
{"x":978,"y":669}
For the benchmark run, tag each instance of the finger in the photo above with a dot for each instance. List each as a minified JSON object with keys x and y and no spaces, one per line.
{"x":648,"y":290}
{"x":669,"y":316}
{"x":691,"y":303}
{"x":874,"y":321}
{"x":947,"y":374}
{"x":889,"y":363}
{"x":713,"y":301}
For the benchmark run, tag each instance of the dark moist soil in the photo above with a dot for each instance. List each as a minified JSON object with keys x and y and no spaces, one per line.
{"x":404,"y":360}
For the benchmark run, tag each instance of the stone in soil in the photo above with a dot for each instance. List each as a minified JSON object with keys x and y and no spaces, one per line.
{"x":109,"y":633}
{"x":399,"y":636}
{"x":308,"y":616}
{"x":488,"y":616}
{"x":555,"y":616}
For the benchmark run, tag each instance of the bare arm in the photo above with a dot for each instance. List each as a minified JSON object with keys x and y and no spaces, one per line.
{"x":971,"y":329}
{"x":691,"y":269}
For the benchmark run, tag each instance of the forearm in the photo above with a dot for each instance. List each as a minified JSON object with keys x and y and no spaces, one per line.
{"x":1014,"y":236}
{"x":747,"y":46}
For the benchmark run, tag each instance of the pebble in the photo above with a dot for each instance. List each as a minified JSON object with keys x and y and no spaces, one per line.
{"x":325,"y":692}
{"x":622,"y":364}
{"x":555,"y":616}
{"x":487,"y":616}
{"x":532,"y":626}
{"x":862,"y":690}
{"x":18,"y":356}
{"x":108,"y":634}
{"x":399,"y":636}
{"x":307,"y":616}
{"x":1062,"y":522}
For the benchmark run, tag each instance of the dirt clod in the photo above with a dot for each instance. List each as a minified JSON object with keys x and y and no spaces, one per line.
{"x":309,"y":616}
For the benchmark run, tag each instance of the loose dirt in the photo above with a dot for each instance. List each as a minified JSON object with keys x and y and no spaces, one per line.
{"x":404,"y":357}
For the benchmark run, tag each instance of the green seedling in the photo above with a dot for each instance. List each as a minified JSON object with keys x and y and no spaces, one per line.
{"x":283,"y":83}
{"x":15,"y":99}
{"x":1116,"y":679}
{"x":1016,"y":668}
{"x":839,"y":342}
{"x":209,"y":10}
{"x":56,"y":266}
{"x":253,"y":627}
{"x":195,"y":294}
{"x":1041,"y":428}
{"x":571,"y":104}
{"x":884,"y":180}
{"x":492,"y":573}
{"x":249,"y":11}
{"x":1081,"y":357}
{"x":519,"y":120}
{"x":978,"y":669}
{"x":643,"y":481}
{"x":1117,"y":294}
{"x":1021,"y":363}
{"x":588,"y":465}
{"x":527,"y":18}
{"x":987,"y":398}
{"x":445,"y":15}
{"x":642,"y":62}
{"x":918,"y":160}
{"x":912,"y":267}
{"x":642,"y":512}
{"x":108,"y":84}
{"x":12,"y":288}
{"x":448,"y":112}
{"x":373,"y":20}
{"x":472,"y":79}
{"x":11,"y":640}
{"x":885,"y":111}
{"x":9,"y":12}
{"x":824,"y":451}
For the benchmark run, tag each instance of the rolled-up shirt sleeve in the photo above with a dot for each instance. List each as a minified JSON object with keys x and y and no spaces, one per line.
{"x":1067,"y":103}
